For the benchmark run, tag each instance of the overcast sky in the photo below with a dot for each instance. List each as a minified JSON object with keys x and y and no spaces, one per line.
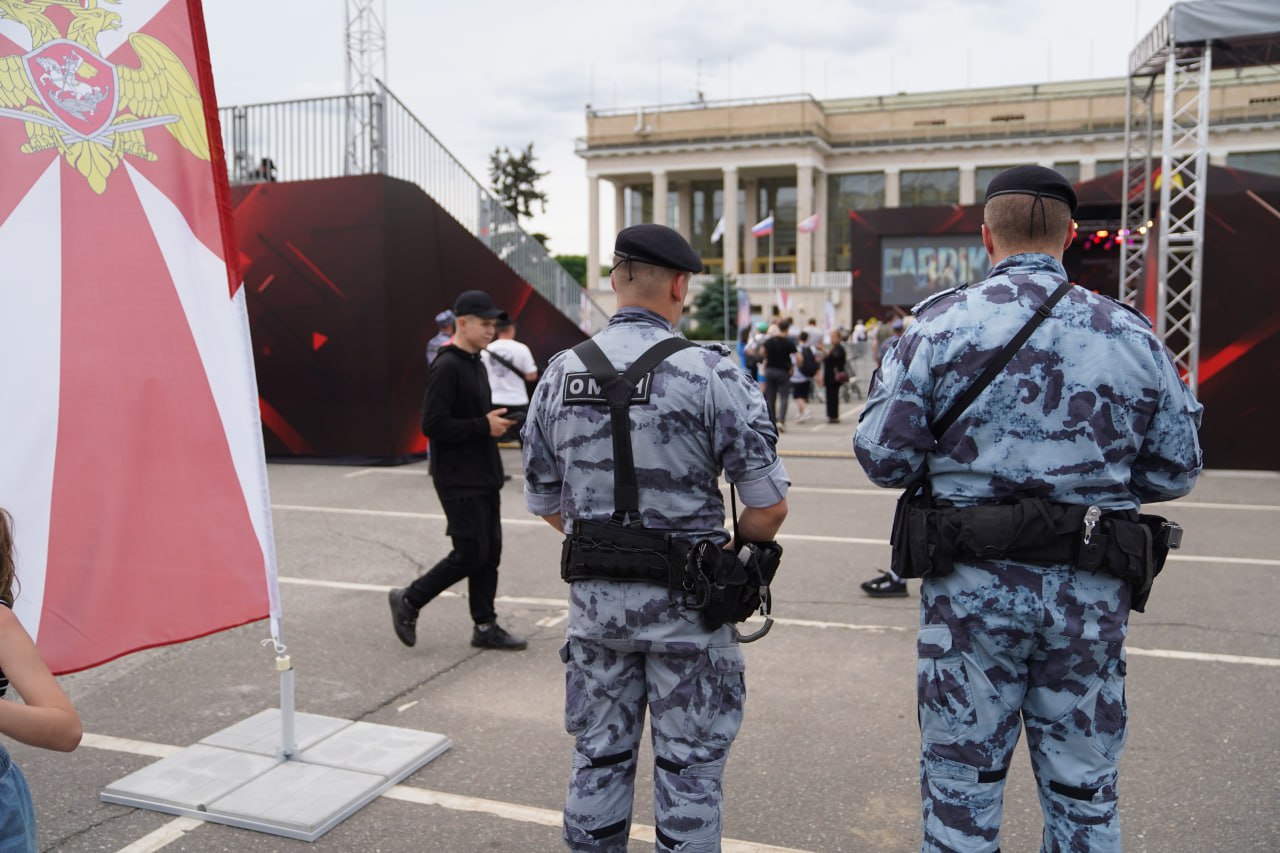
{"x":501,"y":73}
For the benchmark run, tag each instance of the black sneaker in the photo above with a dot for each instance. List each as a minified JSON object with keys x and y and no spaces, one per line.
{"x":403,"y":617}
{"x":885,"y":587}
{"x":493,"y":636}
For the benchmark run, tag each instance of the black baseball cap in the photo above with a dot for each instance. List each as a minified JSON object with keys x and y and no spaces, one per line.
{"x":479,"y":304}
{"x":658,"y":245}
{"x":1036,"y":181}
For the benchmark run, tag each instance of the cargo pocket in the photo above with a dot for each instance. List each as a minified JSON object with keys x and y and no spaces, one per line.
{"x":943,"y":691}
{"x":1110,"y":712}
{"x":718,"y":692}
{"x":577,"y":707}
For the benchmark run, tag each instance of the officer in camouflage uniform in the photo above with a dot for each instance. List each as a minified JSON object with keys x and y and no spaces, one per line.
{"x":1090,"y":411}
{"x":632,"y":645}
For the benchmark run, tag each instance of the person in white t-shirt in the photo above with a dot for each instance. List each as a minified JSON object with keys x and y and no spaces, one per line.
{"x":510,"y":364}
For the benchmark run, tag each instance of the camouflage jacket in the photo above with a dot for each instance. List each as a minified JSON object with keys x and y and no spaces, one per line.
{"x":1090,"y":411}
{"x":702,"y":415}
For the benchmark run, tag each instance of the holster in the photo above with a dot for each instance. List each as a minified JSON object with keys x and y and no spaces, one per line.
{"x":738,"y":584}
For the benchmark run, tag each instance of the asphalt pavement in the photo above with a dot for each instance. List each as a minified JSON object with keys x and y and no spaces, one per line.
{"x":827,"y":757}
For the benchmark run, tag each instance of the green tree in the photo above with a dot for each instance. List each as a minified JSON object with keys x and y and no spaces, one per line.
{"x":709,"y":308}
{"x":576,"y":265}
{"x":514,"y":178}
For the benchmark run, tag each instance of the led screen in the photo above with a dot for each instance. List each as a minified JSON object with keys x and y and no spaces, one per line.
{"x":915,"y":268}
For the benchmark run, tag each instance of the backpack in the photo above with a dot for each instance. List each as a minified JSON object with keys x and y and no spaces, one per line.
{"x":808,"y":362}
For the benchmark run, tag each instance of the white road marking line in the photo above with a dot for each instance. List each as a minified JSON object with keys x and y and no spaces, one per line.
{"x":137,"y":747}
{"x":845,"y":540}
{"x":798,"y":537}
{"x":814,"y":490}
{"x":749,"y":625}
{"x":1240,"y":474}
{"x":815,"y":623}
{"x":1232,"y":561}
{"x":390,"y":513}
{"x":410,"y":470}
{"x":174,"y":830}
{"x":893,"y":493}
{"x":546,"y":817}
{"x":1203,"y":656}
{"x":552,"y":621}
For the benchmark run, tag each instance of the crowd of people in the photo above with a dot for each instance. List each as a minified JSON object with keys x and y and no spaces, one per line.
{"x":805,"y":364}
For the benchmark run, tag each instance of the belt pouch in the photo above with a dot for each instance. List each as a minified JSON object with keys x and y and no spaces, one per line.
{"x":1130,"y":558}
{"x":606,"y":550}
{"x":908,"y":542}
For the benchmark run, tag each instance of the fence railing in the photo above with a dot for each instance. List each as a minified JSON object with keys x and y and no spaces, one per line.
{"x":765,"y":281}
{"x":313,"y":138}
{"x":834,"y":278}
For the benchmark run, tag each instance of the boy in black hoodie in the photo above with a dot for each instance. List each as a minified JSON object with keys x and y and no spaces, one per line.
{"x":459,"y":418}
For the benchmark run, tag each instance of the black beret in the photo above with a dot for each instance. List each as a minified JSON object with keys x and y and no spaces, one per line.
{"x":657,"y":245}
{"x":1033,"y":180}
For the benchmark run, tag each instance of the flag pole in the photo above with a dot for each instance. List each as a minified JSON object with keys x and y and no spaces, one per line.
{"x":772,"y":228}
{"x":724,"y":299}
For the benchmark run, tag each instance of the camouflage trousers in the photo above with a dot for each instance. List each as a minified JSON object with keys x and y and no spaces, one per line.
{"x":629,"y":650}
{"x":1002,"y":646}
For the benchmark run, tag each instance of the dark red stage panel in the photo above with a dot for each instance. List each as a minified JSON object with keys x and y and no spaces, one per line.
{"x":1240,"y":309}
{"x":343,"y":278}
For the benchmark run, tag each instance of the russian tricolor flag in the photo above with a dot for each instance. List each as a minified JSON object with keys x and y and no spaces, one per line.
{"x":763,"y":228}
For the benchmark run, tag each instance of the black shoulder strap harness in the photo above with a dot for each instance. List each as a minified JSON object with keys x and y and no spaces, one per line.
{"x":618,"y":388}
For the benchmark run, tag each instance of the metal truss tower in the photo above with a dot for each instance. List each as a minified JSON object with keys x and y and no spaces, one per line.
{"x":366,"y":38}
{"x":1177,"y":223}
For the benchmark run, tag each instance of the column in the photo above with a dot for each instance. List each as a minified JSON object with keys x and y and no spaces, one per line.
{"x":619,"y":206}
{"x":731,"y":221}
{"x":820,"y":205}
{"x":804,"y":209}
{"x":968,"y":184}
{"x":892,"y":187}
{"x":660,"y":197}
{"x":1088,"y":169}
{"x":684,"y":203}
{"x":752,"y":211}
{"x":593,"y":233}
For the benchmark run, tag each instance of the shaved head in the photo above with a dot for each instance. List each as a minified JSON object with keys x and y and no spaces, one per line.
{"x":1025,"y":223}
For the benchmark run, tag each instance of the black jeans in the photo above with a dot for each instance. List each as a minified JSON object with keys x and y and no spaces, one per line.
{"x":777,"y":390}
{"x":833,"y":394}
{"x":475,"y":526}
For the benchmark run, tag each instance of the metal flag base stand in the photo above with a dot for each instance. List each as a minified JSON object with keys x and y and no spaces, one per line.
{"x":237,"y":777}
{"x":296,"y":775}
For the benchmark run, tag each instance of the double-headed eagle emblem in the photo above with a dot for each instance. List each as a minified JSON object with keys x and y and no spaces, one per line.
{"x":93,"y":112}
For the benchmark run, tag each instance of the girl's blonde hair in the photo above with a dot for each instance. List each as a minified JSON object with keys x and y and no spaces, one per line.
{"x":8,"y":579}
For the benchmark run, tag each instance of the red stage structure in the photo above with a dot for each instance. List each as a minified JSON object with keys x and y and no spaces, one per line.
{"x":1240,"y":311}
{"x":343,"y":277}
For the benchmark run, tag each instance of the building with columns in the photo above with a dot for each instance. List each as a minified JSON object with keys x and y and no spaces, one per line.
{"x":795,"y":156}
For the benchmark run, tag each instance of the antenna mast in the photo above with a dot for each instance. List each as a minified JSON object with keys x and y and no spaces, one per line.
{"x":366,"y":38}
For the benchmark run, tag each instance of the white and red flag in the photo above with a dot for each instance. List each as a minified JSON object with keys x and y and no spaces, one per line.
{"x":130,"y":451}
